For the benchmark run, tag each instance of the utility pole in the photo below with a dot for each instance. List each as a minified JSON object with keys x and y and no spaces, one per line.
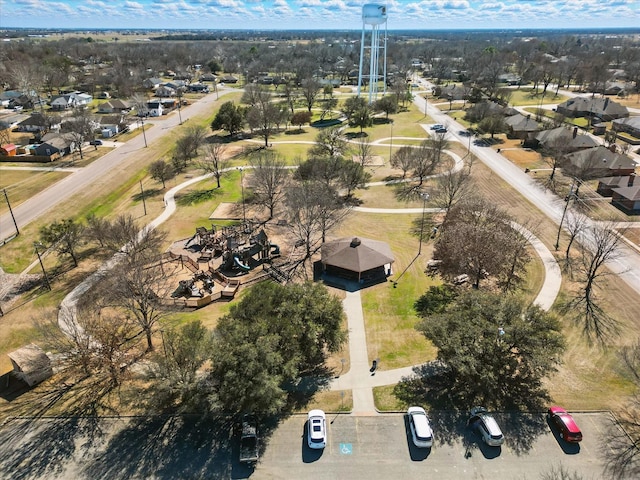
{"x":11,"y":211}
{"x":44,"y":272}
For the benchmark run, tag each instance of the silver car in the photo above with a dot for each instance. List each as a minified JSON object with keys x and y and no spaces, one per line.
{"x":421,"y":432}
{"x":486,"y":426}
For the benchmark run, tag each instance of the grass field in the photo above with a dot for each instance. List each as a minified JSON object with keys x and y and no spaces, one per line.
{"x":591,"y":377}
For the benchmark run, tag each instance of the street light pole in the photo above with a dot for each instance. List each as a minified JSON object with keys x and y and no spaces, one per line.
{"x":391,"y":143}
{"x":244,"y":215}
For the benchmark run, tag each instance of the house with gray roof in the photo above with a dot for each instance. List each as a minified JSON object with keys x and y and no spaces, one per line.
{"x":599,"y":162}
{"x":589,"y":107}
{"x":630,"y":125}
{"x":521,"y":127}
{"x":569,"y":138}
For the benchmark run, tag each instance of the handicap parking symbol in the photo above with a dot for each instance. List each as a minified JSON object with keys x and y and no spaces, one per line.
{"x":346,"y":449}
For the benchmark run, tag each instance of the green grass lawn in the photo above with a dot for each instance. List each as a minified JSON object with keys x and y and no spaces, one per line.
{"x":528,"y":96}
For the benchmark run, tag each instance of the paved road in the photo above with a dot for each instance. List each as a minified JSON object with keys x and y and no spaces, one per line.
{"x":46,"y":200}
{"x":368,"y":448}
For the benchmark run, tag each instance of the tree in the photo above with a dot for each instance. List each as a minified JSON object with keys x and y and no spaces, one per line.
{"x":139,"y":281}
{"x":230,"y":118}
{"x":479,"y":241}
{"x":328,"y":106}
{"x":310,"y":91}
{"x":263,"y":118}
{"x":79,"y":128}
{"x":364,"y":151}
{"x":300,"y":118}
{"x":273,"y":338}
{"x":64,"y":237}
{"x":187,"y":146}
{"x":623,"y":436}
{"x":602,"y":245}
{"x":403,"y":159}
{"x":492,"y":124}
{"x":358,"y":112}
{"x":452,"y":187}
{"x":387,"y":104}
{"x":161,"y":171}
{"x":313,"y":209}
{"x":180,"y":367}
{"x":554,"y":153}
{"x":330,"y":143}
{"x":495,"y":351}
{"x":352,"y":175}
{"x":214,"y":161}
{"x":269,"y":179}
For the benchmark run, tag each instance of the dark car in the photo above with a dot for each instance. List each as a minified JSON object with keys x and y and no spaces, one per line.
{"x":95,"y":142}
{"x":441,"y":130}
{"x":565,"y":424}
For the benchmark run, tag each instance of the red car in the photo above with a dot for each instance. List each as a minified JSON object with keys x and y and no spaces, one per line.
{"x":566,"y":424}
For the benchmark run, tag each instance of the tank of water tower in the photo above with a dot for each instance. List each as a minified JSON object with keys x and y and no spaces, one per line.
{"x":374,"y":14}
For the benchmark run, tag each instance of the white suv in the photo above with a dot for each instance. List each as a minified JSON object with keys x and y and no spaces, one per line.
{"x":421,"y":432}
{"x":486,"y":426}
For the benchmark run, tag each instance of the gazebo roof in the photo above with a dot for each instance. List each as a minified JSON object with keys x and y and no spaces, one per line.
{"x":356,"y":254}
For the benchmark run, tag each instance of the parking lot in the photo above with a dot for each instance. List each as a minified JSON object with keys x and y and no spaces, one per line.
{"x":358,"y":447}
{"x":380,"y":448}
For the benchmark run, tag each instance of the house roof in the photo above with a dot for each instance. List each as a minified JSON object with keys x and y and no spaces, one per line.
{"x":598,"y":106}
{"x":617,"y":181}
{"x":563,"y":134}
{"x":8,"y":147}
{"x":630,"y":193}
{"x":356,"y":254}
{"x":520,"y":123}
{"x":632,"y":121}
{"x":601,"y":157}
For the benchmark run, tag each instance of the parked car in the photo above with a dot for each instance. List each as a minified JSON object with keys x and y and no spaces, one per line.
{"x":421,"y":432}
{"x":486,"y":426}
{"x":437,"y":126}
{"x":95,"y":142}
{"x":316,"y":429}
{"x":566,"y":424}
{"x":441,"y":130}
{"x":249,"y":440}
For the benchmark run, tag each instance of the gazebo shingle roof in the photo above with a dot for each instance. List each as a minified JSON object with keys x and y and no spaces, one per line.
{"x":356,"y":254}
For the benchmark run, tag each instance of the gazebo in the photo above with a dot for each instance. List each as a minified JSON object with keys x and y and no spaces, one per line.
{"x":359,"y":259}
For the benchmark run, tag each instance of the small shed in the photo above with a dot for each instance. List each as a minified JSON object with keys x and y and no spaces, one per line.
{"x":31,"y":364}
{"x":9,"y":150}
{"x":359,"y":259}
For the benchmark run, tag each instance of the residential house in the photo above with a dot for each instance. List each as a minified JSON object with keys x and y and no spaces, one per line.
{"x":39,"y":123}
{"x":630,"y":125}
{"x":454,"y":92}
{"x":627,"y":199}
{"x":155,"y":109}
{"x":607,"y":185}
{"x":198,"y":88}
{"x":6,"y":97}
{"x":164,"y":91}
{"x":115,"y":106}
{"x":521,"y":127}
{"x":63,"y":143}
{"x":603,"y":108}
{"x":70,"y":100}
{"x":229,"y":79}
{"x":111,"y":125}
{"x":208,"y":77}
{"x":152,"y":83}
{"x":599,"y":162}
{"x":568,"y":138}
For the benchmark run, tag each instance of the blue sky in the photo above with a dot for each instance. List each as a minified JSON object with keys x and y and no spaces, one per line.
{"x":317,"y":14}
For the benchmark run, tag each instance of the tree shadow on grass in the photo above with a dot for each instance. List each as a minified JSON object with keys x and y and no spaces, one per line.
{"x":198,"y":196}
{"x":151,"y":192}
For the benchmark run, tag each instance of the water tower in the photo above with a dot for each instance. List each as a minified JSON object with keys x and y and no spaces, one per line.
{"x":373,"y":15}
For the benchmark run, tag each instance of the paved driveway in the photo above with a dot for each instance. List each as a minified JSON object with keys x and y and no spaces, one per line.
{"x":358,"y":448}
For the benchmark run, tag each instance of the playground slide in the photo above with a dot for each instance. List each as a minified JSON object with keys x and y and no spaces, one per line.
{"x":241,"y":265}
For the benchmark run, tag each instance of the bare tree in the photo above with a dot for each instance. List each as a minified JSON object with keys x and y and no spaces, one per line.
{"x":452,"y":188}
{"x":79,"y":128}
{"x":576,"y":223}
{"x":214,"y":161}
{"x":64,"y":236}
{"x":479,"y":241}
{"x":310,"y":91}
{"x":403,"y":159}
{"x":623,"y":435}
{"x":269,"y":179}
{"x":161,"y":171}
{"x":601,"y":245}
{"x":364,"y":151}
{"x":554,"y":153}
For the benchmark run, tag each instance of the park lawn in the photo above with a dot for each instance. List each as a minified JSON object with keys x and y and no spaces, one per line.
{"x":528,"y":96}
{"x":386,"y":401}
